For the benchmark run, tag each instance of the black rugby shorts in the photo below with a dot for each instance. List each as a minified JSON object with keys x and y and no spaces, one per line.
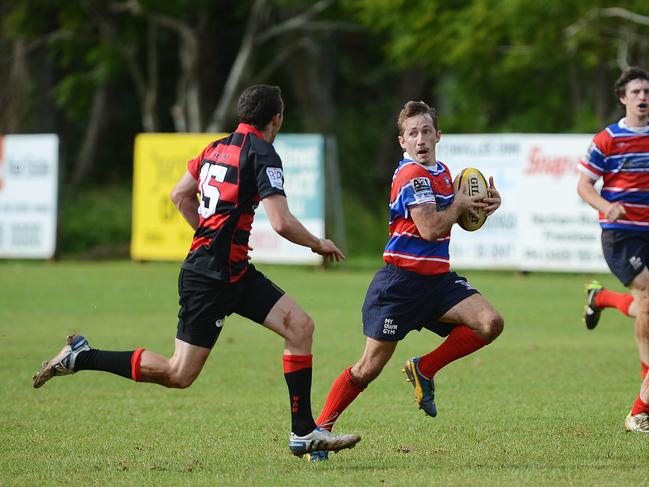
{"x":205,"y":302}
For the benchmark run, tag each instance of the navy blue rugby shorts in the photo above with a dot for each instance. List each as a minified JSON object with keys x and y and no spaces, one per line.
{"x":205,"y":302}
{"x":626,"y":253}
{"x":399,"y":301}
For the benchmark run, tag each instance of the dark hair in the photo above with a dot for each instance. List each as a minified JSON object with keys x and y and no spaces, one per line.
{"x":258,"y":104}
{"x":629,"y":74}
{"x":414,"y":108}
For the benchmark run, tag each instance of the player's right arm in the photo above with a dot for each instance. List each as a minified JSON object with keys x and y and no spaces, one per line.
{"x":184,"y":198}
{"x":588,"y":193}
{"x":432,"y":224}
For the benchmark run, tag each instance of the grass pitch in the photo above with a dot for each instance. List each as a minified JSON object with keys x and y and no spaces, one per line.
{"x":543,"y":405}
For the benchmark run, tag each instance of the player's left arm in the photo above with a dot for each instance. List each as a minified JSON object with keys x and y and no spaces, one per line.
{"x":184,"y":198}
{"x":493,"y":199}
{"x":433,"y":224}
{"x":289,"y":227}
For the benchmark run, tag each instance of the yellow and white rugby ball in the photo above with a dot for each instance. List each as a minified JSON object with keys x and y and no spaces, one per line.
{"x":476,"y":185}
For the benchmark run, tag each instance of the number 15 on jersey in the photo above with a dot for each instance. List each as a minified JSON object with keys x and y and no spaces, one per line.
{"x":210,"y":194}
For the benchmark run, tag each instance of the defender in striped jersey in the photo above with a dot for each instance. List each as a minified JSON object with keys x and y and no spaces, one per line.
{"x":619,"y":156}
{"x":416,"y":288}
{"x":231,"y":176}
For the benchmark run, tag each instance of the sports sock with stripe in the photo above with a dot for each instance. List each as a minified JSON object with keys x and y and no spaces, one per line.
{"x":460,"y":342}
{"x":297,"y":373}
{"x":118,"y":363}
{"x":343,"y":392}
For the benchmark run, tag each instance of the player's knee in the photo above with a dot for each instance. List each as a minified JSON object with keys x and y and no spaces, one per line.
{"x":301,"y":329}
{"x":642,"y":302}
{"x":180,"y":379}
{"x":492,"y":326}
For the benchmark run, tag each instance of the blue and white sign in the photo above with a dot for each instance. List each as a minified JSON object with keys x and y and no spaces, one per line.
{"x":303,"y":162}
{"x":28,"y":195}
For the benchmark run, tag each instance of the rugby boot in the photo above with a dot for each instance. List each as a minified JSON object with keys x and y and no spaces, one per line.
{"x":320,"y":440}
{"x":591,"y":312}
{"x":424,"y":387}
{"x":638,"y":423}
{"x":63,"y":362}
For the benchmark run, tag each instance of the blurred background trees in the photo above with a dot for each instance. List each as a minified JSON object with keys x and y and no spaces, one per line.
{"x":98,"y":72}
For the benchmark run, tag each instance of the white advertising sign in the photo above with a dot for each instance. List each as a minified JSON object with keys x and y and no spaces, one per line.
{"x":28,"y":195}
{"x":496,"y":244}
{"x":542,"y":223}
{"x":558,"y":230}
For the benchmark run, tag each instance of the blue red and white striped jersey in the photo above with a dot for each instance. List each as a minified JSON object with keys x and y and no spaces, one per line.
{"x":233,"y":174}
{"x":619,"y":155}
{"x":414,"y":184}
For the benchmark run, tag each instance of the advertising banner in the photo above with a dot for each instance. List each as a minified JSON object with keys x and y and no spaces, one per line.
{"x":558,"y":231}
{"x":542,"y":223}
{"x":28,"y":195}
{"x":495,"y":245}
{"x":160,"y":232}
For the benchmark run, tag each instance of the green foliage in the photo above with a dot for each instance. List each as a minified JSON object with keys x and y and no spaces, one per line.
{"x":541,"y":406}
{"x":98,"y":218}
{"x":488,"y":65}
{"x":366,"y":224}
{"x":510,"y":64}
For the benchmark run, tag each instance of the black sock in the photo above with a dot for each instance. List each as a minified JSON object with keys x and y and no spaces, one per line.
{"x":114,"y":362}
{"x":299,"y":390}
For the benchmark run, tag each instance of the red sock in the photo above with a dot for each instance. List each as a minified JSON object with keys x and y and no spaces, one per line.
{"x":611,"y":299}
{"x":639,"y":406}
{"x":645,"y":368}
{"x":342,"y":394}
{"x":461,"y":342}
{"x":136,"y":358}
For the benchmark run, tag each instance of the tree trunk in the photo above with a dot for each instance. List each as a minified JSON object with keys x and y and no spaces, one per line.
{"x":13,"y":95}
{"x":311,"y":82}
{"x":218,"y":118}
{"x":88,"y":150}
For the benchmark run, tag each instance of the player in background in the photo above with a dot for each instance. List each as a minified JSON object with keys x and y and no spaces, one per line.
{"x":416,"y":288}
{"x":230,"y":177}
{"x":619,"y":155}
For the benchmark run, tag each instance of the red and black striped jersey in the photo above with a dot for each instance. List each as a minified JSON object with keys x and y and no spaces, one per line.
{"x":233,"y":174}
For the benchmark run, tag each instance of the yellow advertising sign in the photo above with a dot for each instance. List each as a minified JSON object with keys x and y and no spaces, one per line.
{"x":159,"y":231}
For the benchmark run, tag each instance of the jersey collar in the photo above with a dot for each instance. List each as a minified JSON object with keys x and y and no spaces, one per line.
{"x":407,"y":159}
{"x":639,"y":130}
{"x":245,"y":128}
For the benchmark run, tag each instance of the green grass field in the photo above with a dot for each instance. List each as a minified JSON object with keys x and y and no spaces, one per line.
{"x":543,"y":405}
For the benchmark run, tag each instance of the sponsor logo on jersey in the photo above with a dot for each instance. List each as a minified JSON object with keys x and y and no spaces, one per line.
{"x":423,"y":190}
{"x":276,"y":177}
{"x":421,"y":184}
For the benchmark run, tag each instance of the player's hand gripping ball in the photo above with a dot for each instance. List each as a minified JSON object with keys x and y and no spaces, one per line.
{"x":476,"y":185}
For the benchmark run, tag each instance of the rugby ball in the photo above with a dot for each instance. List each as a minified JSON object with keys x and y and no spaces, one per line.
{"x":476,"y":184}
